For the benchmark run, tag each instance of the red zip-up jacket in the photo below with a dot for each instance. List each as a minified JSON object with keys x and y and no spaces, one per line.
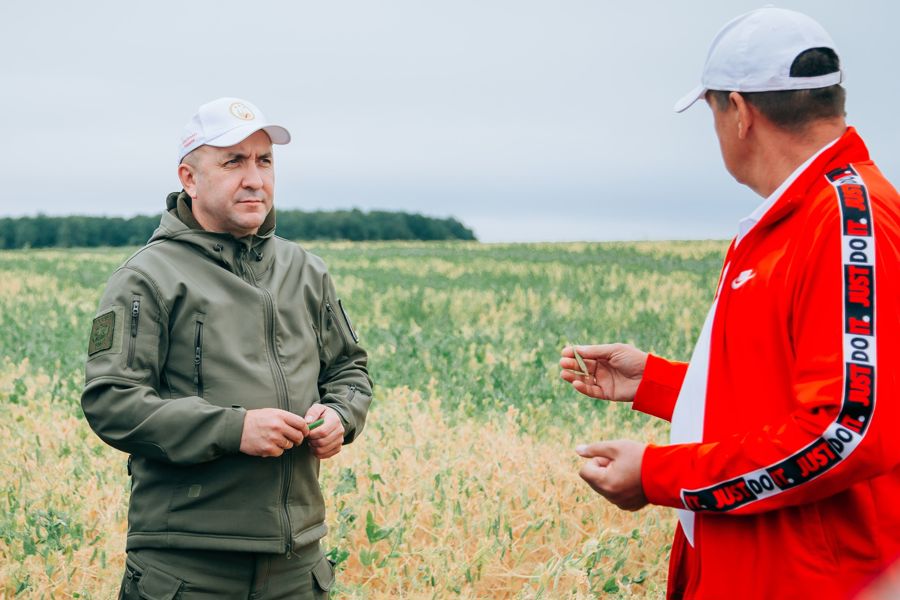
{"x":795,"y":484}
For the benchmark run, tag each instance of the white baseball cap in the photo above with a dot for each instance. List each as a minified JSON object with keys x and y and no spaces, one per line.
{"x":225,"y":122}
{"x":754,"y":53}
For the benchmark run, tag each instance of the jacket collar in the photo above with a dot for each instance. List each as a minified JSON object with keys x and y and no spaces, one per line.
{"x":849,"y":148}
{"x":181,"y":203}
{"x":184,"y":211}
{"x":749,"y":222}
{"x":236,"y":254}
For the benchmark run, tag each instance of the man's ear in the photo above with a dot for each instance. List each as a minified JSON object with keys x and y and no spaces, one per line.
{"x":188,"y":177}
{"x":744,"y":114}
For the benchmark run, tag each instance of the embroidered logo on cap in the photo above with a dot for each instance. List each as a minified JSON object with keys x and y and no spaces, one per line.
{"x":241,"y":111}
{"x":189,"y":140}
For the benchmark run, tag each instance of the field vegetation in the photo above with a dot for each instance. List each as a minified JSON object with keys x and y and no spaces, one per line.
{"x":464,"y":484}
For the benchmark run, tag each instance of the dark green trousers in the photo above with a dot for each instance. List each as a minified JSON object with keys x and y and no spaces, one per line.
{"x":165,"y":574}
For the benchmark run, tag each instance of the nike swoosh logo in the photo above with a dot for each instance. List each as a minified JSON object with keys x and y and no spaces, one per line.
{"x":743,"y":278}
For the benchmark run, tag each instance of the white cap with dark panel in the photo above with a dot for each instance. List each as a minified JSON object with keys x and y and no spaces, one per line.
{"x":754,"y":53}
{"x":226,"y":122}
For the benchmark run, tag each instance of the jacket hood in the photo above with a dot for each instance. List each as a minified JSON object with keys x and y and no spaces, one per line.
{"x":178,"y":224}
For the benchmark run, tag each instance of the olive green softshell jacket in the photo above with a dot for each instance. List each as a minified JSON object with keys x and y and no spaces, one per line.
{"x":192,"y":331}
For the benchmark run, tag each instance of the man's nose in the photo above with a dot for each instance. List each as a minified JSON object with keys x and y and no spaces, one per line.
{"x":253,"y":177}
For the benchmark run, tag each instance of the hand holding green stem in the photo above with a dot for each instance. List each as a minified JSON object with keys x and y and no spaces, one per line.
{"x":315,"y":424}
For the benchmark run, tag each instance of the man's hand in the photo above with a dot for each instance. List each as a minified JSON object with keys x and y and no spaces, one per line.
{"x":271,"y":431}
{"x":614,"y":370}
{"x":327,"y":439}
{"x":613,"y":469}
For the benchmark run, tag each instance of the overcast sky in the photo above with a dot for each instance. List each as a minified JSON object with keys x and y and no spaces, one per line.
{"x":527,"y":120}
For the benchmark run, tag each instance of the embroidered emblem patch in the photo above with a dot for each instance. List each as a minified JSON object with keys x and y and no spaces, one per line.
{"x":241,"y":111}
{"x":102,"y":333}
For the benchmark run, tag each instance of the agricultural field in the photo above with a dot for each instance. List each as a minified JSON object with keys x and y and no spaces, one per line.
{"x":465,"y":482}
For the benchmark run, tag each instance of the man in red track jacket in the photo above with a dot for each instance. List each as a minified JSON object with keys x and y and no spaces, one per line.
{"x":785,"y":454}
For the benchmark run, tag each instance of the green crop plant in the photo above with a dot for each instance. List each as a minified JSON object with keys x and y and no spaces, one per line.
{"x":464,"y":483}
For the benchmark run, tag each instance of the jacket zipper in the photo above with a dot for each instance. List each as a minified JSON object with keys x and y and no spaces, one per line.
{"x":281,"y":387}
{"x":240,"y":262}
{"x":336,"y":321}
{"x":135,"y":317}
{"x":198,"y":357}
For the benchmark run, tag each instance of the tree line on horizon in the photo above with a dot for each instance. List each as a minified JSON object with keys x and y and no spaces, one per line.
{"x":44,"y":231}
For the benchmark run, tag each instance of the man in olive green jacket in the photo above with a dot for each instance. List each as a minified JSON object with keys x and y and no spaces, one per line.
{"x":216,"y":349}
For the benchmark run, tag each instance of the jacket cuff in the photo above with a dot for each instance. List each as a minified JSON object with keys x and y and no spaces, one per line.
{"x":660,"y":476}
{"x":341,"y":411}
{"x":234,"y":429}
{"x":659,"y":387}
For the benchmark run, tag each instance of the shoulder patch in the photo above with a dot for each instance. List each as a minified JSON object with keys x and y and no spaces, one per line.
{"x":102,"y":333}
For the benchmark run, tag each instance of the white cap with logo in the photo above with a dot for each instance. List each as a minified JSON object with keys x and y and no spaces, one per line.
{"x":754,"y":53}
{"x":226,"y":122}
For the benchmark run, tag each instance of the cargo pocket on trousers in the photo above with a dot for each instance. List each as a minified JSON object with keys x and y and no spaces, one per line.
{"x":148,"y":584}
{"x":323,"y":574}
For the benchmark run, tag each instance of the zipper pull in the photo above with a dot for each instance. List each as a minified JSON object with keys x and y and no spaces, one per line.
{"x":135,"y":312}
{"x":242,"y":255}
{"x":197,"y":355}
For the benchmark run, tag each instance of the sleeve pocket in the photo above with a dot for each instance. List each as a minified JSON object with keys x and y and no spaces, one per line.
{"x":323,"y":573}
{"x":347,"y":322}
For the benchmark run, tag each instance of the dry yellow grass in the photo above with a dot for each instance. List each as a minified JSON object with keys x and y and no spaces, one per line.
{"x":487,"y":509}
{"x":64,"y":527}
{"x":468,"y":509}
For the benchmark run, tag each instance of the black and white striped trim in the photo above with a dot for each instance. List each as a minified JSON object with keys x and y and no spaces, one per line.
{"x":842,"y":436}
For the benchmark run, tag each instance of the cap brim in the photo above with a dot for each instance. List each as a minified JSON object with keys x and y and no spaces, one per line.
{"x":277,"y":133}
{"x":688,"y":99}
